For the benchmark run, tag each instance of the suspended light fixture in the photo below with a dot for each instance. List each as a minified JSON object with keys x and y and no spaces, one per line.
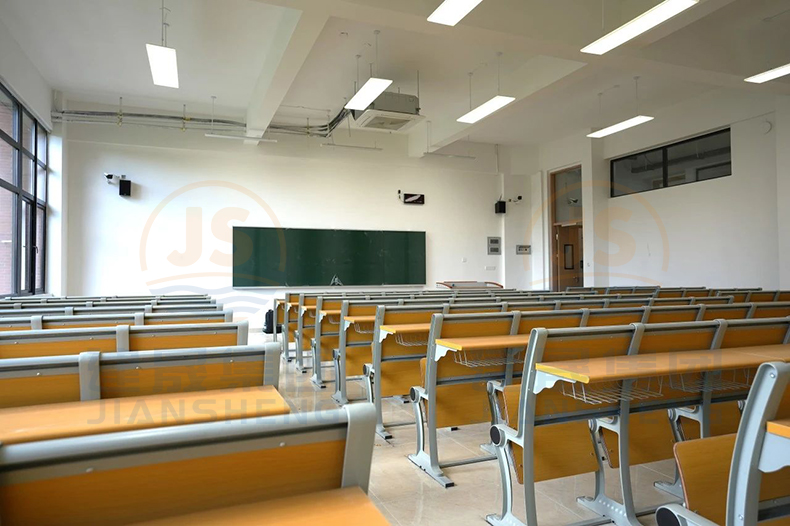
{"x":629,"y":123}
{"x":453,"y":11}
{"x":775,"y":73}
{"x":493,"y":105}
{"x":372,"y":89}
{"x":162,"y":59}
{"x":641,"y":24}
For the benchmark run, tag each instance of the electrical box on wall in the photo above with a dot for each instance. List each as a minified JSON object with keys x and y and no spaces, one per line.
{"x":523,"y":250}
{"x":494,"y":246}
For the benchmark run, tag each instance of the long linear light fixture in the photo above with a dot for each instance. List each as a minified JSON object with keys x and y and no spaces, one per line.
{"x":350,"y":147}
{"x":641,"y":24}
{"x":368,"y":93}
{"x":630,"y":123}
{"x":486,"y":109}
{"x":256,"y":140}
{"x":453,"y":11}
{"x":775,"y":73}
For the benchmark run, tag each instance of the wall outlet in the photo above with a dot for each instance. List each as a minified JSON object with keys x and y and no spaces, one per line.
{"x":490,"y":267}
{"x":463,"y":260}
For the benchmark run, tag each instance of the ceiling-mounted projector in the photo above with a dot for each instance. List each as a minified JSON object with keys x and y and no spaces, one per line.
{"x":393,"y":112}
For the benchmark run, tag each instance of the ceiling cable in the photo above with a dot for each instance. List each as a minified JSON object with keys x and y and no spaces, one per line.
{"x":471,"y":74}
{"x":499,"y":72}
{"x":165,"y":25}
{"x":636,"y":93}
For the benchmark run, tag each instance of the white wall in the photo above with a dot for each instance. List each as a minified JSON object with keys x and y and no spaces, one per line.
{"x":783,"y":188}
{"x":22,"y":77}
{"x":719,"y":233}
{"x":294,"y":183}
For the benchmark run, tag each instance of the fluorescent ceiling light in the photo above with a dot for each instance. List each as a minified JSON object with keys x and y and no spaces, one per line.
{"x":351,"y":147}
{"x":781,"y":71}
{"x":641,"y":24}
{"x":368,"y":93}
{"x":164,"y":65}
{"x":630,"y":123}
{"x":244,"y":138}
{"x":452,"y":11}
{"x":484,"y":110}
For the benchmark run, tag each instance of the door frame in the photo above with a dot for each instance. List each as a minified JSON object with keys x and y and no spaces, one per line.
{"x":554,"y":226}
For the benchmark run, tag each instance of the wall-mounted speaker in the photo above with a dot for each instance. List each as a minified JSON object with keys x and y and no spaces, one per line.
{"x":125,"y":187}
{"x":500,"y":207}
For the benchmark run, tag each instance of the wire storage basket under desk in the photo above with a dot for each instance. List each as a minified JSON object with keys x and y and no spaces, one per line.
{"x":489,"y":357}
{"x":365,"y":327}
{"x":732,"y":380}
{"x":612,"y":392}
{"x":412,"y":340}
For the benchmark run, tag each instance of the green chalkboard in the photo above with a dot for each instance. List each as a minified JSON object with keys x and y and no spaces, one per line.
{"x":297,"y":257}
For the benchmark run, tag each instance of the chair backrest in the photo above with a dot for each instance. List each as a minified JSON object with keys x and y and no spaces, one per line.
{"x":92,"y":376}
{"x":776,"y":309}
{"x":55,"y":342}
{"x":730,"y":311}
{"x":464,"y":402}
{"x":111,"y":320}
{"x":135,"y":476}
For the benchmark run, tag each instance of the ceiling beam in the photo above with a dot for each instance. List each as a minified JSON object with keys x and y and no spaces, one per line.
{"x":296,"y":36}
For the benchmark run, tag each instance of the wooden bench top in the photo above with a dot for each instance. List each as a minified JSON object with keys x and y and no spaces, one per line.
{"x":50,"y":421}
{"x":330,"y":312}
{"x":479,"y":343}
{"x":360,"y":319}
{"x":614,"y":368}
{"x":779,"y":427}
{"x":407,"y":328}
{"x":337,"y":507}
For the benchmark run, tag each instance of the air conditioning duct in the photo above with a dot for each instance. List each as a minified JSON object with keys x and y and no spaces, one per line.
{"x":392,"y":112}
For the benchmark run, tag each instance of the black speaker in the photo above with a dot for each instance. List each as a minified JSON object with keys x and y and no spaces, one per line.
{"x":125,"y":187}
{"x":500,"y":207}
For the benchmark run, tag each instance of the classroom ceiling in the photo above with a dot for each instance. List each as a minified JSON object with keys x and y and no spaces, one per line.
{"x":285,"y":61}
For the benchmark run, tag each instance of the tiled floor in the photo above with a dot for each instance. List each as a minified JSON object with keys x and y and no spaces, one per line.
{"x":407,"y":496}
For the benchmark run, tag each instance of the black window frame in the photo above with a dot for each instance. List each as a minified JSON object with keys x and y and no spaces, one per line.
{"x":21,"y":195}
{"x":665,"y":163}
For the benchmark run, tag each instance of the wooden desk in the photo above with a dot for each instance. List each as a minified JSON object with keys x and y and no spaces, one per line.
{"x":779,"y":427}
{"x":44,"y":422}
{"x":337,"y":507}
{"x":328,"y":312}
{"x":405,"y":328}
{"x":480,"y":343}
{"x":615,"y":368}
{"x":348,"y":321}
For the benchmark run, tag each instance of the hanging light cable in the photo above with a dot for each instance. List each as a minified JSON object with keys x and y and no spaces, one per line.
{"x":162,"y":59}
{"x":495,"y":104}
{"x":630,"y":123}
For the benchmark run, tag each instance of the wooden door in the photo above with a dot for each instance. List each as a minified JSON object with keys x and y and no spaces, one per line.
{"x":568,"y":261}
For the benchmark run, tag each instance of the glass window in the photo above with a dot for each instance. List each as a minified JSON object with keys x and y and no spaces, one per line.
{"x":41,"y":183}
{"x":7,"y":162}
{"x":638,"y":173}
{"x":23,"y":193}
{"x":7,"y":213}
{"x":698,"y":159}
{"x":41,"y":222}
{"x":707,"y":156}
{"x":27,"y":174}
{"x":28,"y":132}
{"x":41,"y":148}
{"x":7,"y":115}
{"x":25,"y":237}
